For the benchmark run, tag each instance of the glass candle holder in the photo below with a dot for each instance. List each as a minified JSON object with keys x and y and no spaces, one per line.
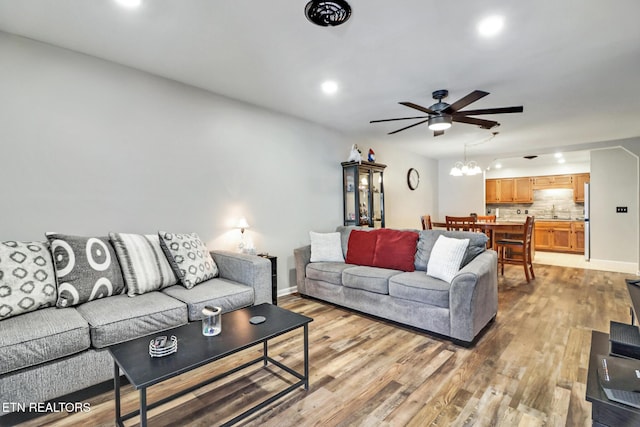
{"x":212,"y":321}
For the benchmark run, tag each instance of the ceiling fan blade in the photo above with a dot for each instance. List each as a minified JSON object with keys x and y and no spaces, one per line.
{"x":438,"y":133}
{"x":463,"y":102}
{"x":501,"y":110}
{"x":401,"y":118}
{"x":484,"y":124}
{"x":407,"y":127}
{"x":418,"y":107}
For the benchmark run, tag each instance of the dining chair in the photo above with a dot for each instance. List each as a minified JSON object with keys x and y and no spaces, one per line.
{"x":426,"y":222}
{"x":518,"y":251}
{"x":460,"y":223}
{"x":489,"y":233}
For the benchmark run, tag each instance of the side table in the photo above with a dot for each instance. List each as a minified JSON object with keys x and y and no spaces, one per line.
{"x":274,"y":276}
{"x":605,"y":412}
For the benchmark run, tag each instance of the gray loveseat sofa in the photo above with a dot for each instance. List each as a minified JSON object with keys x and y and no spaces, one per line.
{"x":459,"y":310}
{"x":52,"y":351}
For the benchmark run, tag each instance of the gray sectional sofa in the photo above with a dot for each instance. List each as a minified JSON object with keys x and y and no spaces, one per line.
{"x":459,"y":310}
{"x":51,"y":351}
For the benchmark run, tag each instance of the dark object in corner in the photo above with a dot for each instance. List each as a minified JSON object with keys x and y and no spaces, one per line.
{"x":327,"y":13}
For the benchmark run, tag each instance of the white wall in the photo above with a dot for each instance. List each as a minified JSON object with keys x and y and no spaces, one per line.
{"x":614,"y":182}
{"x":458,"y":195}
{"x":404,"y":206}
{"x":564,"y":169}
{"x":88,"y":146}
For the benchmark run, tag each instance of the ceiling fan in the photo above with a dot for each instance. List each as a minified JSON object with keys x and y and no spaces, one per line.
{"x":440,"y":115}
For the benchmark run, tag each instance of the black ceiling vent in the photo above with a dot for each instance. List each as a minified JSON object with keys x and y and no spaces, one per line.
{"x":328,"y":13}
{"x":530,"y":157}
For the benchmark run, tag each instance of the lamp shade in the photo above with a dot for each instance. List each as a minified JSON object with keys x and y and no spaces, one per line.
{"x":442,"y":122}
{"x":242,"y":224}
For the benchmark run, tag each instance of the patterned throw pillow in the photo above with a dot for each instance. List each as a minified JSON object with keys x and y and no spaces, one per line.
{"x":144,"y":266}
{"x":27,"y":280}
{"x":189,"y":258}
{"x":86,"y":268}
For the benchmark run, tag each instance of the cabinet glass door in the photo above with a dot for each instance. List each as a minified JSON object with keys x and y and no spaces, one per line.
{"x":377,"y":202}
{"x":363,"y":189}
{"x":350,"y":195}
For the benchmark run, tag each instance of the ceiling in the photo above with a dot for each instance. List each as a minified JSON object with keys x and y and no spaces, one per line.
{"x":573,"y":64}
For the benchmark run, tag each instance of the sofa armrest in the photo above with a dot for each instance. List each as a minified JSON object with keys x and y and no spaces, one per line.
{"x":473,"y":296}
{"x":302,"y":257}
{"x":250,"y":270}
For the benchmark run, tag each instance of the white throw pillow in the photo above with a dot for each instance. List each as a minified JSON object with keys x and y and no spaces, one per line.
{"x":446,"y":256}
{"x":326,"y":247}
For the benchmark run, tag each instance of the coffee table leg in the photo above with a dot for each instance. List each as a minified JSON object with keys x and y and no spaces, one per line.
{"x":306,"y":356}
{"x":264,"y":352}
{"x":143,"y":407}
{"x":116,"y":389}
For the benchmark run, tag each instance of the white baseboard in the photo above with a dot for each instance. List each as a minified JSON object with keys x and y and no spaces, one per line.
{"x":617,"y":266}
{"x":287,"y":291}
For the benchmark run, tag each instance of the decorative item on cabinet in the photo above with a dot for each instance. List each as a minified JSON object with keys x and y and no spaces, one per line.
{"x":363,"y":194}
{"x":355,"y":155}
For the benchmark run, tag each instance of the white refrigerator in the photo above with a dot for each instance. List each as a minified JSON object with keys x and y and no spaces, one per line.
{"x":587,"y":225}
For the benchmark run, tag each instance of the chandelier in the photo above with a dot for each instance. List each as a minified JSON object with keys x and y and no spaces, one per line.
{"x":469,"y":168}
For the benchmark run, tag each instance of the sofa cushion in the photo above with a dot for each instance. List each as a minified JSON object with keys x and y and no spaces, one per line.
{"x":189,"y":258}
{"x":417,"y":286}
{"x":120,"y":318}
{"x":330,"y":272}
{"x":477,"y":245}
{"x":27,"y":279}
{"x":40,"y":336}
{"x":395,"y":249}
{"x":362,"y":247}
{"x":446,"y":256}
{"x":326,"y":247}
{"x":216,"y":292}
{"x":372,"y":279}
{"x":86,"y":268}
{"x":144,"y":265}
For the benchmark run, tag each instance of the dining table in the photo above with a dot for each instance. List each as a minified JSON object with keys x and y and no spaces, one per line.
{"x":496,"y":230}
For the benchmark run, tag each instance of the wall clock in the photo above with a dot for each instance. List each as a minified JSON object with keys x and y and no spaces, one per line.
{"x":413,"y":179}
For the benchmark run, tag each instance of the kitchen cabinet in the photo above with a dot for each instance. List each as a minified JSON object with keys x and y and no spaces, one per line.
{"x":577,"y":243}
{"x":552,"y":181}
{"x":508,"y":190}
{"x":559,"y":236}
{"x":522,"y":190}
{"x":578,"y":186}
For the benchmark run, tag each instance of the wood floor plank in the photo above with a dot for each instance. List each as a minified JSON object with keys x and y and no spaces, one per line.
{"x":528,"y":369}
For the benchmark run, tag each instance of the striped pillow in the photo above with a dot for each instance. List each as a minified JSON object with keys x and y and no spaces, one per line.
{"x":144,"y":266}
{"x":446,"y":257}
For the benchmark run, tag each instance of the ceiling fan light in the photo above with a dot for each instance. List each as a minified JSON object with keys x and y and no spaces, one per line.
{"x":439,"y":123}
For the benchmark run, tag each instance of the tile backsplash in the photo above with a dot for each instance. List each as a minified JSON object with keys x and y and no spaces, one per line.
{"x":547,"y":204}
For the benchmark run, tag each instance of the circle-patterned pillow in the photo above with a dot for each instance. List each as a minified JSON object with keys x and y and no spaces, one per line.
{"x":189,"y":258}
{"x":86,"y":268}
{"x":27,"y":281}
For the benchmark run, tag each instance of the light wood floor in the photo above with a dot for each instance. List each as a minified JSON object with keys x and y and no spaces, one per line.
{"x":529,"y":369}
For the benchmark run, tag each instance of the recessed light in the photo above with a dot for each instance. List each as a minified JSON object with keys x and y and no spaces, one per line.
{"x":498,"y":165}
{"x":491,"y":25}
{"x":131,"y":4}
{"x":329,"y":87}
{"x":558,"y":155}
{"x":561,"y":160}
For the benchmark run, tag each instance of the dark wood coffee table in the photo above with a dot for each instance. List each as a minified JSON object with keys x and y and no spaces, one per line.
{"x":195,"y":350}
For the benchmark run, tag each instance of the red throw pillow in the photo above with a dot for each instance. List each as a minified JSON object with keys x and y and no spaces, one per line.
{"x":395,"y":249}
{"x":361,"y":247}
